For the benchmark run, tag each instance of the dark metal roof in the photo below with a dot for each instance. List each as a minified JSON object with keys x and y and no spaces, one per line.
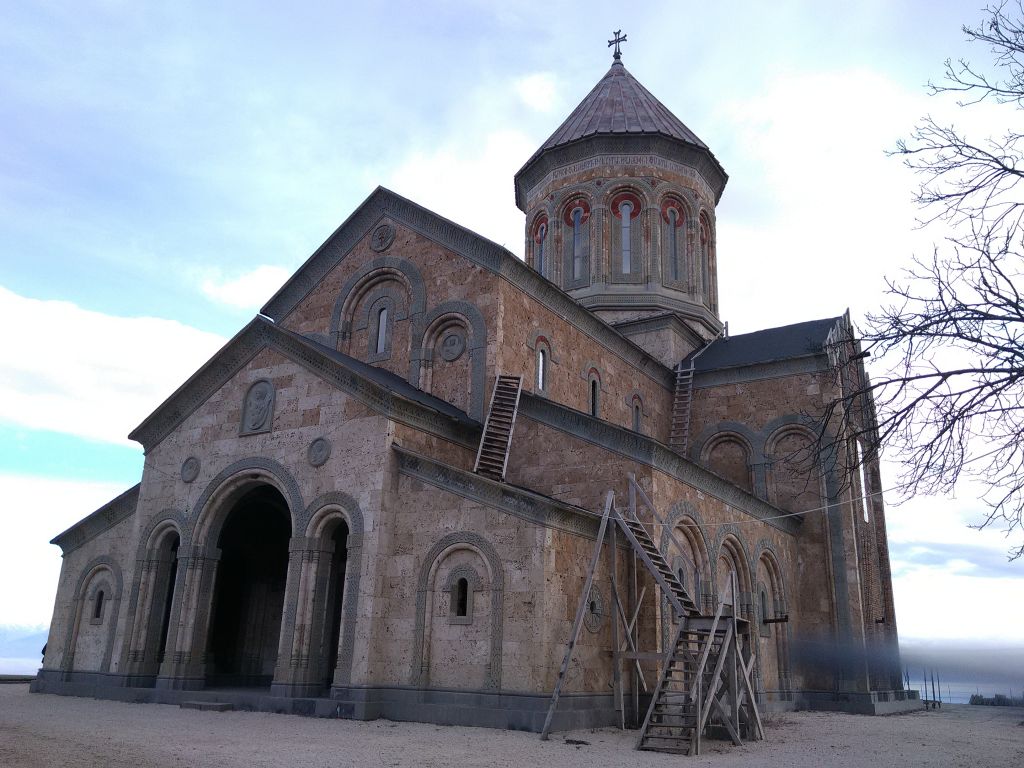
{"x":618,"y":116}
{"x":769,"y":345}
{"x":619,"y":104}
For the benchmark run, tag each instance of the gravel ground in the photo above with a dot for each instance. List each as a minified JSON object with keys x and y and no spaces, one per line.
{"x":46,"y":730}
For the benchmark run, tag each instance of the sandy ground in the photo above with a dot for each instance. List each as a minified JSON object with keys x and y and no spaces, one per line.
{"x":46,"y":730}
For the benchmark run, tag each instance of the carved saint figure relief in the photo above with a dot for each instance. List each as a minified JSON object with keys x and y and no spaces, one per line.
{"x":259,"y":408}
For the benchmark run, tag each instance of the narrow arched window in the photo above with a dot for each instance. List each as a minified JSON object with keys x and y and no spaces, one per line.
{"x":577,"y":243}
{"x":626,"y":211}
{"x":593,"y":397}
{"x":97,"y":612}
{"x":462,"y":597}
{"x":673,"y":243}
{"x":705,"y":257}
{"x":382,"y":330}
{"x":637,"y":415}
{"x":764,"y":605}
{"x":542,"y":230}
{"x":542,"y":363}
{"x":681,"y":575}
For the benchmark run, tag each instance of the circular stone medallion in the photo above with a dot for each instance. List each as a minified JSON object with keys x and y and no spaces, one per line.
{"x":452,"y":346}
{"x":190,"y":469}
{"x":382,"y":238}
{"x":594,"y":616}
{"x":319,"y":451}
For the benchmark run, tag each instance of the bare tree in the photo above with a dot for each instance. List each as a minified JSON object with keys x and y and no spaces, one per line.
{"x":950,"y":404}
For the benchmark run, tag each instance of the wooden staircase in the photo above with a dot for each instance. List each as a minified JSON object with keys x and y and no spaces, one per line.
{"x":664,"y":576}
{"x":679,"y":435}
{"x":707,"y":667}
{"x":677,"y":713}
{"x":492,"y":455}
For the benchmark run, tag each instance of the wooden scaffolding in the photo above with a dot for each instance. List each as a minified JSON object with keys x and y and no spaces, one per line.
{"x":705,"y":668}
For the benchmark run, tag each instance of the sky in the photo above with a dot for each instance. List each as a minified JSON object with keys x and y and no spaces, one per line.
{"x":165,"y":166}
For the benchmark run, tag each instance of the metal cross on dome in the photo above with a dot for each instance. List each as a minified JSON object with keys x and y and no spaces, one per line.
{"x":619,"y":38}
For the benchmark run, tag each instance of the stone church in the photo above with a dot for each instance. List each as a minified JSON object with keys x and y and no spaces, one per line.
{"x":321,"y":529}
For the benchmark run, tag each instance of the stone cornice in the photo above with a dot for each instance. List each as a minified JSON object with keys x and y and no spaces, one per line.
{"x":647,"y":451}
{"x":106,"y":517}
{"x":772,"y":370}
{"x":261,"y":334}
{"x":659,"y":323}
{"x":698,"y":158}
{"x":477,"y":249}
{"x":520,"y":502}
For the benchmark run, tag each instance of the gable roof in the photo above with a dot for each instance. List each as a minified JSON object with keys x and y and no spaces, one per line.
{"x":379,"y":389}
{"x":383,"y":203}
{"x":107,"y":516}
{"x":766,"y":346}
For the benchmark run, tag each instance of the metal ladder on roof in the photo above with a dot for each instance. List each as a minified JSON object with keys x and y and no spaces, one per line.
{"x":682,"y":402}
{"x":492,"y":455}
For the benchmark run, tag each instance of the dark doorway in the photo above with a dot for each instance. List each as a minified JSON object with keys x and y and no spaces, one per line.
{"x":249,"y":597}
{"x":335,"y":599}
{"x":165,"y":619}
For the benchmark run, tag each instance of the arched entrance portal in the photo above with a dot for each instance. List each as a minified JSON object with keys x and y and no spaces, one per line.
{"x":250,"y":587}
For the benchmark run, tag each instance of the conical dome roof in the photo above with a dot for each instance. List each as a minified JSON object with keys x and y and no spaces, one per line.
{"x":620,"y":104}
{"x":622,"y":114}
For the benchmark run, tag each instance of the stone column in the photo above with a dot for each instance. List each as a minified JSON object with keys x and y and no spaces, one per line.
{"x":299,"y":660}
{"x":184,"y":665}
{"x":144,"y":640}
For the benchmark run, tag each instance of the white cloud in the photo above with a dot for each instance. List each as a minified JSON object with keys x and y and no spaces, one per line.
{"x":538,"y":91}
{"x":470,"y":186}
{"x":946,"y":603}
{"x":29,"y":565}
{"x":89,"y":374}
{"x":248,"y":291}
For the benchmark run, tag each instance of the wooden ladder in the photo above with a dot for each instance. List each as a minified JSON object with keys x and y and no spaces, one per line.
{"x":679,"y":436}
{"x":492,"y":455}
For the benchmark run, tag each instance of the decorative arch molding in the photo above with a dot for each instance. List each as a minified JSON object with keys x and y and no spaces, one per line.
{"x":746,"y":568}
{"x":476,"y":346}
{"x":765,"y":550}
{"x":208,"y":517}
{"x":487,"y":552}
{"x":149,"y":552}
{"x":750,"y":440}
{"x":99,"y":569}
{"x":467,"y":572}
{"x":381,"y":267}
{"x":676,"y":513}
{"x":782,"y":427}
{"x":157,"y":528}
{"x":315,"y":516}
{"x":544,"y":337}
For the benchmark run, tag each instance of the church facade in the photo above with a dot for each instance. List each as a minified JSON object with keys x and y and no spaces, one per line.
{"x":309,"y":534}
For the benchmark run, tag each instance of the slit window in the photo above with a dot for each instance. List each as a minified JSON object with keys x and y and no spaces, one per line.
{"x":542,"y":362}
{"x":593,"y":397}
{"x":638,"y":413}
{"x":864,"y":503}
{"x":577,"y":243}
{"x":462,"y":598}
{"x":626,"y":211}
{"x":542,"y":230}
{"x":382,"y":330}
{"x":97,"y":612}
{"x":673,"y":243}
